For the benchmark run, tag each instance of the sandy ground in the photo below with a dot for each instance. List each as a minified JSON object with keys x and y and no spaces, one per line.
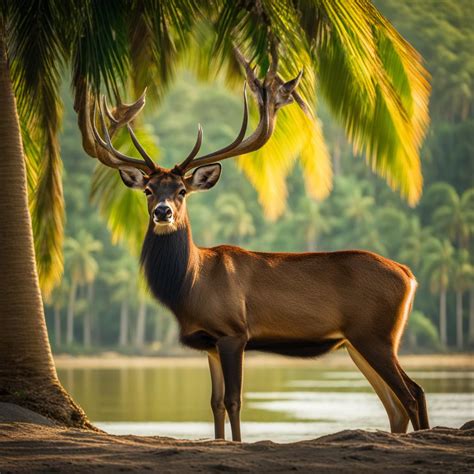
{"x":334,"y":360}
{"x":26,"y":447}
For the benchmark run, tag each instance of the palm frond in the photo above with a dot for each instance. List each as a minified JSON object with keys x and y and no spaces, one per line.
{"x":376,"y":86}
{"x":36,"y":52}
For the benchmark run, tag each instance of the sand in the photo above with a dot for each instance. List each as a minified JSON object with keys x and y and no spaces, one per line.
{"x":40,"y":447}
{"x":335,"y":360}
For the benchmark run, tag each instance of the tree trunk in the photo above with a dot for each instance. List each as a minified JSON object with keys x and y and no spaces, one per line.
{"x":459,"y":325}
{"x":141,"y":320}
{"x":70,"y":312}
{"x":87,"y":328}
{"x":57,"y":325}
{"x":442,"y":318}
{"x":471,"y":316}
{"x":123,"y":335}
{"x":27,"y":373}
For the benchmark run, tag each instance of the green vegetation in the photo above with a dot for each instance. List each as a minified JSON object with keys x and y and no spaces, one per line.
{"x":435,"y":238}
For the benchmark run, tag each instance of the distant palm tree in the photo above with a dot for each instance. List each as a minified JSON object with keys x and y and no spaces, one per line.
{"x":437,"y":269}
{"x":122,"y":279}
{"x":373,"y":81}
{"x":83,"y":268}
{"x":58,"y":300}
{"x":463,"y":279}
{"x":417,"y":240}
{"x":453,"y":214}
{"x":311,"y":220}
{"x":235,"y":221}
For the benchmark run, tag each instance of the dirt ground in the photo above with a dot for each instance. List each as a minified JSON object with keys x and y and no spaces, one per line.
{"x":27,"y":447}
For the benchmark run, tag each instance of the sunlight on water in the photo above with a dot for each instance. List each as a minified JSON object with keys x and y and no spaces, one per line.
{"x":280,"y":403}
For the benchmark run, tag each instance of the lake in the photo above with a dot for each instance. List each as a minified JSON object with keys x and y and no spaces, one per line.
{"x":283,"y":401}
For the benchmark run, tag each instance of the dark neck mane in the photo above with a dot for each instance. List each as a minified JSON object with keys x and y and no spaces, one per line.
{"x":167,"y":260}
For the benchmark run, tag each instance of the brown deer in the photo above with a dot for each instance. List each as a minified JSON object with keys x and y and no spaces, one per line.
{"x":228,"y":300}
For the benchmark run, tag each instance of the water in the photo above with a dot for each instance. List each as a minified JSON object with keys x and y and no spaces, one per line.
{"x":281,"y":402}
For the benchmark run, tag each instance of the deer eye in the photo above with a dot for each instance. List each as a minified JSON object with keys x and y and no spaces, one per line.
{"x":147,"y":192}
{"x":182,"y":192}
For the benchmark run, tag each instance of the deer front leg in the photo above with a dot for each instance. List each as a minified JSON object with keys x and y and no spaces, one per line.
{"x":231,"y":351}
{"x":217,"y":397}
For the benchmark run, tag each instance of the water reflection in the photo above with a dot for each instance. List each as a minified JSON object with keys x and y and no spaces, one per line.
{"x":281,"y":403}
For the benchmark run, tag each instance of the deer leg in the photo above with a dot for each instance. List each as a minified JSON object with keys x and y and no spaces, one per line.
{"x":397,"y":415}
{"x":381,"y":357}
{"x":231,"y":351}
{"x":217,"y":397}
{"x":419,"y":395}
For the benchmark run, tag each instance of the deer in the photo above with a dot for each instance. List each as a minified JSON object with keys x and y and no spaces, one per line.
{"x":228,"y":300}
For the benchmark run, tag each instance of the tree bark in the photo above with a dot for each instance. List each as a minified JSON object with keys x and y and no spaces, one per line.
{"x":87,"y":328}
{"x":123,"y":335}
{"x":442,"y":318}
{"x":57,"y":325}
{"x":70,"y":312}
{"x":459,"y":322}
{"x":27,"y":373}
{"x":141,"y":321}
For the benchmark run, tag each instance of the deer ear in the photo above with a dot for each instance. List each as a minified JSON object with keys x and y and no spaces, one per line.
{"x":132,"y":178}
{"x":204,"y":177}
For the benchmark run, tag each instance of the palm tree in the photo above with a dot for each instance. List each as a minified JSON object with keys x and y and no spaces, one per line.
{"x":58,"y":300}
{"x":235,"y":221}
{"x":83,"y":268}
{"x":122,"y":277}
{"x":437,"y":268}
{"x":310,"y":217}
{"x":367,"y":72}
{"x":453,"y":214}
{"x":417,"y":240}
{"x":463,"y":278}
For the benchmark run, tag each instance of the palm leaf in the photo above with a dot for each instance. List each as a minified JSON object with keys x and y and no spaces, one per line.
{"x":36,"y":52}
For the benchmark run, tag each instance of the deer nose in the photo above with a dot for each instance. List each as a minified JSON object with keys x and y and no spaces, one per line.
{"x":162,"y":213}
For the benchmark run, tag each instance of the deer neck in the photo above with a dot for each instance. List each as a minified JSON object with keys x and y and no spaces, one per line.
{"x":170,"y":262}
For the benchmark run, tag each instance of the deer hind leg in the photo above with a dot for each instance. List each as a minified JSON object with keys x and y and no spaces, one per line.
{"x":381,"y":356}
{"x":397,"y":415}
{"x":231,"y":353}
{"x":217,"y":397}
{"x":419,"y":395}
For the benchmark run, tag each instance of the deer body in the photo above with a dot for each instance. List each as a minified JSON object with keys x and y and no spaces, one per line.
{"x":228,"y":300}
{"x":252,"y":296}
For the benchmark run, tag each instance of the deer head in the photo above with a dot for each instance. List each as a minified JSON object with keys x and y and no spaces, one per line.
{"x":166,"y":189}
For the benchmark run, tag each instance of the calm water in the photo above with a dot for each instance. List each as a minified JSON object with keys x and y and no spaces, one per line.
{"x":281,"y":403}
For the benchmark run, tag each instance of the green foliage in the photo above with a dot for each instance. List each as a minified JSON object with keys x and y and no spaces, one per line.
{"x":423,"y":331}
{"x":371,"y":78}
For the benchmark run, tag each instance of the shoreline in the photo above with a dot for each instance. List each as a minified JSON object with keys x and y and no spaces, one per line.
{"x":338,"y":360}
{"x":26,"y":447}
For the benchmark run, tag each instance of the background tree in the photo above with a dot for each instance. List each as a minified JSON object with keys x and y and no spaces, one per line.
{"x":463,"y":277}
{"x":437,"y":268}
{"x":83,"y":270}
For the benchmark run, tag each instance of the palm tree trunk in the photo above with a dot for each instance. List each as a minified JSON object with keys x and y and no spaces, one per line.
{"x":57,"y":325}
{"x":123,"y":335}
{"x":442,"y":318}
{"x":70,"y":312}
{"x":459,"y":325}
{"x":471,"y":315}
{"x":27,"y":373}
{"x":141,"y":320}
{"x":87,"y":328}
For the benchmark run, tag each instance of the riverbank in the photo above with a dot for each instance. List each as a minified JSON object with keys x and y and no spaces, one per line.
{"x":335,"y":360}
{"x":26,"y":447}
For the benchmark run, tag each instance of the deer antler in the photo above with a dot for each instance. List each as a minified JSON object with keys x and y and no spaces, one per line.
{"x":102,"y":149}
{"x":271,"y":94}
